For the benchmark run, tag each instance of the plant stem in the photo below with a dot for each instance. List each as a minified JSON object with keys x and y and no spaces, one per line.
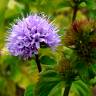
{"x":38,"y":63}
{"x":75,"y":12}
{"x":67,"y":89}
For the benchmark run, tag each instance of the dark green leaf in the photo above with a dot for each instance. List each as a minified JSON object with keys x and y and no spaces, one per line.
{"x":47,"y":60}
{"x":57,"y":90}
{"x":48,"y":80}
{"x":29,"y":91}
{"x":91,"y":4}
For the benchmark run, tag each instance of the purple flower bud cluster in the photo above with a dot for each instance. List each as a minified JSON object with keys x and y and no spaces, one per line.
{"x":27,"y":35}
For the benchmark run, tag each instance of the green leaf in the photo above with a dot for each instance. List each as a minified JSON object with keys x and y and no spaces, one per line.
{"x":92,"y":14}
{"x":29,"y":91}
{"x":48,"y":80}
{"x":57,"y":90}
{"x":93,"y":81}
{"x":81,"y":88}
{"x":91,"y":4}
{"x":8,"y":59}
{"x":47,"y":60}
{"x":94,"y":67}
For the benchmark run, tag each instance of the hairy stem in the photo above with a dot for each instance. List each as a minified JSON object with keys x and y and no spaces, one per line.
{"x":66,"y":90}
{"x":38,"y":63}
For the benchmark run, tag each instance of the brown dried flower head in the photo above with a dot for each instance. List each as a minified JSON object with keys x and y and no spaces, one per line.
{"x":82,"y":37}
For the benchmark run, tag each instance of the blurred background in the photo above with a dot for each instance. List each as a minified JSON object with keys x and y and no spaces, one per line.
{"x":16,"y":75}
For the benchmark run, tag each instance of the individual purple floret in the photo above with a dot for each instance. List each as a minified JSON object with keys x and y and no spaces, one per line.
{"x":29,"y":34}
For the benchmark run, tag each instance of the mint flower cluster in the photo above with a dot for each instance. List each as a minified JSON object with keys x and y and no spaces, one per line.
{"x":29,"y":34}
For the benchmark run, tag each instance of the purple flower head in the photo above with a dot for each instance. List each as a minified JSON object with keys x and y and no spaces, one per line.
{"x":29,"y":34}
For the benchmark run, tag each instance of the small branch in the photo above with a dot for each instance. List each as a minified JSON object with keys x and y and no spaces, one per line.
{"x":38,"y":63}
{"x":66,"y":90}
{"x":75,"y":13}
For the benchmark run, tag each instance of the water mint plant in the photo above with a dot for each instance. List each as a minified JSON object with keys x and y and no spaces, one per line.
{"x":30,"y":34}
{"x":65,"y":56}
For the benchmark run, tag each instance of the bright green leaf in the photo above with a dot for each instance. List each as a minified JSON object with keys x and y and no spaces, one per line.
{"x":81,"y":88}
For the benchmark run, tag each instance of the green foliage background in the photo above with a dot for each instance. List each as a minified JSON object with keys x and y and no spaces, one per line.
{"x":17,"y":75}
